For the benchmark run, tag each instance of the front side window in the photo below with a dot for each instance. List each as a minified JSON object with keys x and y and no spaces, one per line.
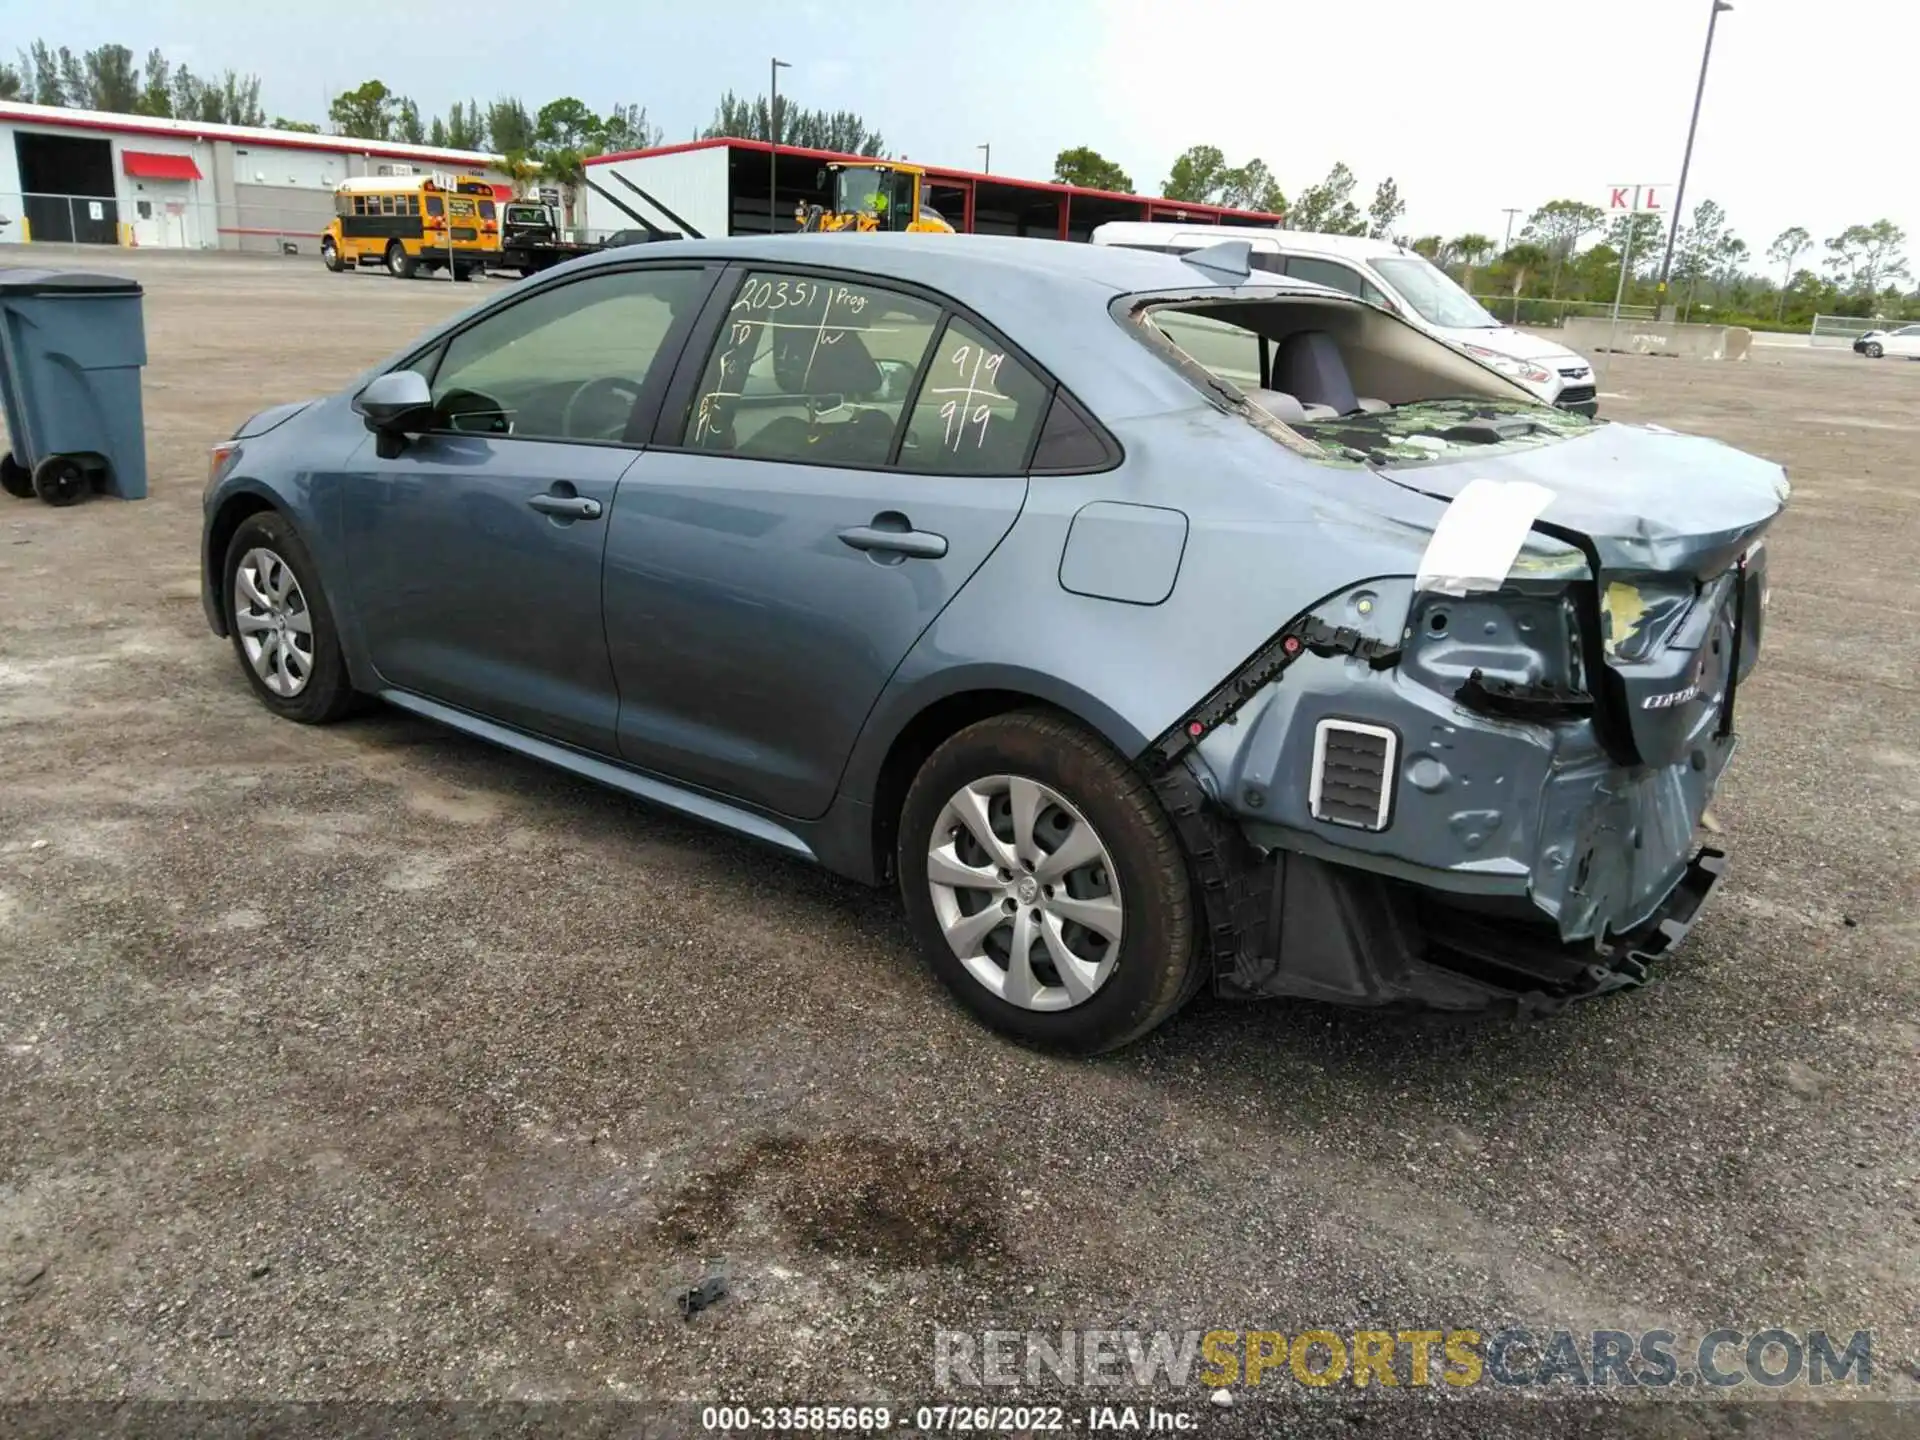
{"x":434,"y":205}
{"x":811,"y":370}
{"x":569,"y":363}
{"x":977,"y":411}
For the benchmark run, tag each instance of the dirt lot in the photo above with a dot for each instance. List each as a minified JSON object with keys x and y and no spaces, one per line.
{"x":373,"y":1062}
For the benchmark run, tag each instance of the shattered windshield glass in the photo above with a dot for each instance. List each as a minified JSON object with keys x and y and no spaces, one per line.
{"x":1442,"y":430}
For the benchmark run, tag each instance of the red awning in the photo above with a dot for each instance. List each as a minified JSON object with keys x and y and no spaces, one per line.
{"x":153,"y":165}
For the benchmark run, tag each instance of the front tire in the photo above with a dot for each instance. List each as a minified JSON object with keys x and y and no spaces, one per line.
{"x":281,"y":625}
{"x":1874,"y":350}
{"x":400,"y":265}
{"x":1046,"y":886}
{"x":330,"y":256}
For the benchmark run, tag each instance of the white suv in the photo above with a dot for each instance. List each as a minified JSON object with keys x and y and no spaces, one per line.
{"x":1397,"y":278}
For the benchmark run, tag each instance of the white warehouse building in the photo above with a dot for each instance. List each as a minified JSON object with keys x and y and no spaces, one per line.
{"x":95,"y":178}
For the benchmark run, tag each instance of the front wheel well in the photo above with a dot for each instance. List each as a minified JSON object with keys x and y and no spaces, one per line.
{"x":232,"y":513}
{"x":918,"y":739}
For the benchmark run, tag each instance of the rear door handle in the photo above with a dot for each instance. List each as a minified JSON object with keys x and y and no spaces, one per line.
{"x":565,"y":507}
{"x":891,"y":533}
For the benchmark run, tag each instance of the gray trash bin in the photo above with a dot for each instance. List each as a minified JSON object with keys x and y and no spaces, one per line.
{"x":71,"y":348}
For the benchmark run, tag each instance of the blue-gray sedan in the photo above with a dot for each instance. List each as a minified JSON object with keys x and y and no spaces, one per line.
{"x":1150,"y":623}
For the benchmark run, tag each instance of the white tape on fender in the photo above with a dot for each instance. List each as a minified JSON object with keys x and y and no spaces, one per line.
{"x":1478,"y":539}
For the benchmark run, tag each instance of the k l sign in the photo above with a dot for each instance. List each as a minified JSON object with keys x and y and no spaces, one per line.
{"x":1638,"y":199}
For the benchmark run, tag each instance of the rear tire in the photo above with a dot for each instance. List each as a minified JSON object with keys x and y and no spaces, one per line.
{"x":61,"y":480}
{"x":281,"y":625}
{"x":1081,"y":989}
{"x":400,"y":265}
{"x":15,"y":478}
{"x":463,"y":272}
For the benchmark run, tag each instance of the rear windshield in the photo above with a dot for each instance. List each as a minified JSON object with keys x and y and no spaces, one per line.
{"x":526,"y":215}
{"x":1360,"y":386}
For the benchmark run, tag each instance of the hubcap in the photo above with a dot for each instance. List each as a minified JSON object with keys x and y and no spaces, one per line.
{"x":1025,"y":893}
{"x":275,"y":626}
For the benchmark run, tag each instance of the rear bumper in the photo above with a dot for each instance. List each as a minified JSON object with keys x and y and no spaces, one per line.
{"x":1283,"y":923}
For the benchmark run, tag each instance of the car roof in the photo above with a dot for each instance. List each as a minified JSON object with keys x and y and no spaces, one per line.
{"x":981,"y":271}
{"x":1120,"y":233}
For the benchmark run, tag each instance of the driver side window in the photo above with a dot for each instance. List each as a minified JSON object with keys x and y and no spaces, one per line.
{"x":569,"y":363}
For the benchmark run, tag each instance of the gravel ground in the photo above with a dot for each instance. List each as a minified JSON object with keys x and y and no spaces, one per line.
{"x":373,"y":1063}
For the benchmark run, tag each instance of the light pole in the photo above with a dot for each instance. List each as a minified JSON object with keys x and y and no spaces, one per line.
{"x":1508,"y":244}
{"x":1680,"y":191}
{"x":986,"y":158}
{"x":773,"y":136}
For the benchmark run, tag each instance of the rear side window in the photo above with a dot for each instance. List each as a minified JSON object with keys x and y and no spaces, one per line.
{"x":1266,"y":260}
{"x":1326,"y":272}
{"x":811,"y":370}
{"x":978,"y":410}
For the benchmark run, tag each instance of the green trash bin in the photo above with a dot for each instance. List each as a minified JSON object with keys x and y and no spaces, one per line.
{"x":71,"y":348}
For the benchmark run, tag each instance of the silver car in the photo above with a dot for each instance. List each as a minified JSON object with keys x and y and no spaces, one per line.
{"x":1149,"y":623}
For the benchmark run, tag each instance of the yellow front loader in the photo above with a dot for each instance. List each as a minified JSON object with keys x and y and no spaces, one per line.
{"x":882,"y":195}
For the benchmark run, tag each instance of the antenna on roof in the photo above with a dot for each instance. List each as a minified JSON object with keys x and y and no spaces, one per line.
{"x":1229,"y":260}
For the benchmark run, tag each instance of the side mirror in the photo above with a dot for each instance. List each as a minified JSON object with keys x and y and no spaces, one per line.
{"x":396,"y":403}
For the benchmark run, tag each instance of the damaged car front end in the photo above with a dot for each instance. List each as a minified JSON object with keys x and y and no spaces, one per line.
{"x":1474,"y":774}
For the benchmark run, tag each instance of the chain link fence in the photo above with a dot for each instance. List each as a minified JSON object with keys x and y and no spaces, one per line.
{"x":1551,"y":314}
{"x":1842,"y":330}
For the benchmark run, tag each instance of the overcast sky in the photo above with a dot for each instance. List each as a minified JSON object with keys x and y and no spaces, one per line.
{"x":1472,"y":105}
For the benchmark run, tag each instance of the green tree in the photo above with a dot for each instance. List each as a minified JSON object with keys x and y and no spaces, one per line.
{"x":1470,"y":251}
{"x":1559,"y":226}
{"x":1521,"y":263}
{"x":407,"y":126}
{"x":1864,"y":257}
{"x":366,"y":112}
{"x":466,"y":126}
{"x":511,"y":127}
{"x":627,"y":128}
{"x":107,"y":80}
{"x":156,"y":86}
{"x":42,"y":66}
{"x":1252,"y":187}
{"x":1385,"y":211}
{"x":1197,"y":176}
{"x":12,"y":83}
{"x":301,"y":127}
{"x":1697,"y":246}
{"x":1647,"y":231}
{"x":841,"y":131}
{"x":1431,"y":247}
{"x":1787,"y":247}
{"x":566,"y":124}
{"x":1083,"y":165}
{"x":437,"y":132}
{"x":1328,"y":208}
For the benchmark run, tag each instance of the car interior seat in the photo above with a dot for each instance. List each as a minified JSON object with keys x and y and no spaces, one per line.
{"x":1309,"y":367}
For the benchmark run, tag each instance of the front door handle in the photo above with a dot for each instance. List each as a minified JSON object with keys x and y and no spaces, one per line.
{"x":565,"y":507}
{"x":891,"y":533}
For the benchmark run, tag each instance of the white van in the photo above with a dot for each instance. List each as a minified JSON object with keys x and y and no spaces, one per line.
{"x":1393,"y":276}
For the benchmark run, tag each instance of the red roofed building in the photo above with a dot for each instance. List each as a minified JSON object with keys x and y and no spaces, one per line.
{"x":735,"y":187}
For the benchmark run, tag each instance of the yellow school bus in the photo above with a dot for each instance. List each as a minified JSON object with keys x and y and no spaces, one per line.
{"x":410,"y":223}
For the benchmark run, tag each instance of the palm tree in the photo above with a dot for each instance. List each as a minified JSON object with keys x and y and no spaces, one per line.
{"x":1523,"y":261}
{"x":1470,"y":250}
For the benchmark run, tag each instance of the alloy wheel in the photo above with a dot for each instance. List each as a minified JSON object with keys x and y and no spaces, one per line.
{"x":1025,"y":893}
{"x":275,"y":625}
